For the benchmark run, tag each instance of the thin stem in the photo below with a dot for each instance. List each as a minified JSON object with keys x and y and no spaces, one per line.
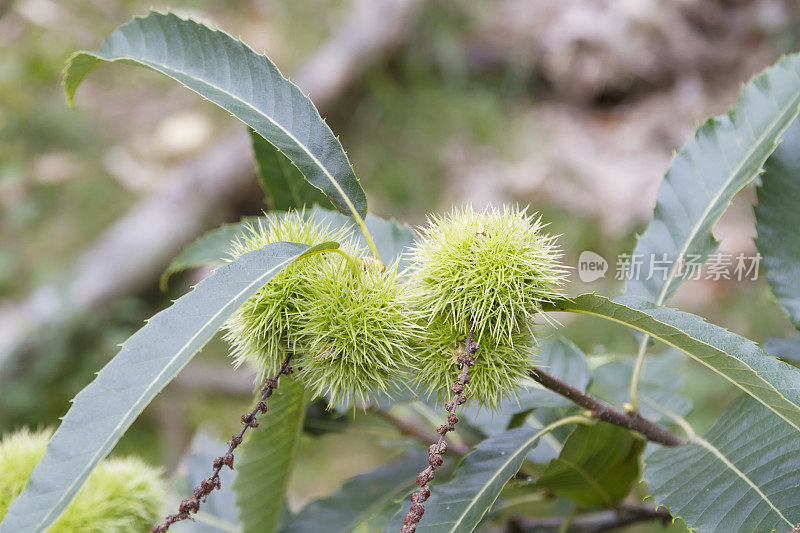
{"x":572,"y":419}
{"x":423,"y":410}
{"x":564,"y":527}
{"x":605,"y":412}
{"x":637,"y":374}
{"x":190,"y":506}
{"x":368,"y":237}
{"x":350,"y":259}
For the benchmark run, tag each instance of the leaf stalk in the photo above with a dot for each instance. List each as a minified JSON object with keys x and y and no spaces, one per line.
{"x":368,"y":237}
{"x":637,"y":374}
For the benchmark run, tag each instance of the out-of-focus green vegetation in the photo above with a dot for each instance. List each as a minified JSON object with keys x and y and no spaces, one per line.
{"x":404,"y":121}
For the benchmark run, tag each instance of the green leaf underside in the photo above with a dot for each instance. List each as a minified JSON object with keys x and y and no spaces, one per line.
{"x":358,"y":505}
{"x":391,"y":238}
{"x":284,"y":184}
{"x":740,"y":361}
{"x":248,"y":85}
{"x":459,"y":505}
{"x":598,"y":465}
{"x":724,"y":155}
{"x":145,"y":364}
{"x":659,"y":387}
{"x":266,"y":459}
{"x":207,"y":250}
{"x":699,"y":486}
{"x":787,"y":349}
{"x":778,"y":222}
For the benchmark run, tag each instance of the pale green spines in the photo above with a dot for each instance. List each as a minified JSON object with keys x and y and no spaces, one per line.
{"x":121,"y":495}
{"x":265,"y":328}
{"x":498,"y":371}
{"x":346,"y":321}
{"x":19,"y":453}
{"x":493,"y":268}
{"x":359,"y":330}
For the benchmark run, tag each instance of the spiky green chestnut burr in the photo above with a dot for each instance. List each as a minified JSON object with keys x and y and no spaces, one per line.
{"x":359,"y":330}
{"x":498,"y":370}
{"x":490,"y":270}
{"x":120,"y":495}
{"x":265,"y":328}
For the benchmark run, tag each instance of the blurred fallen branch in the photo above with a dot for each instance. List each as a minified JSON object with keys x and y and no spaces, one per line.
{"x":129,"y":256}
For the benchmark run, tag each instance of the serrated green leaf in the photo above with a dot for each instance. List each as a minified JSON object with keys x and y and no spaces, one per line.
{"x":598,"y":465}
{"x":145,"y":364}
{"x":743,"y":476}
{"x":459,"y":505}
{"x":248,"y":85}
{"x":267,"y":458}
{"x":724,"y":155}
{"x":738,"y":360}
{"x":207,"y":250}
{"x":359,"y":504}
{"x":778,"y":222}
{"x":284,"y":184}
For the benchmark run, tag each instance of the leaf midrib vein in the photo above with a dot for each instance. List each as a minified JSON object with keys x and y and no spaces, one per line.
{"x":719,"y":455}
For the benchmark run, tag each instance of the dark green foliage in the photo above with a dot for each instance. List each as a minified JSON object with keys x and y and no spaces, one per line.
{"x":362,"y":503}
{"x":598,"y":465}
{"x":256,"y":93}
{"x":147,"y":362}
{"x":209,"y":250}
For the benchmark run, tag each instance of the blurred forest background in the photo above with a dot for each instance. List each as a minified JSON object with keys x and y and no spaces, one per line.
{"x":571,"y":106}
